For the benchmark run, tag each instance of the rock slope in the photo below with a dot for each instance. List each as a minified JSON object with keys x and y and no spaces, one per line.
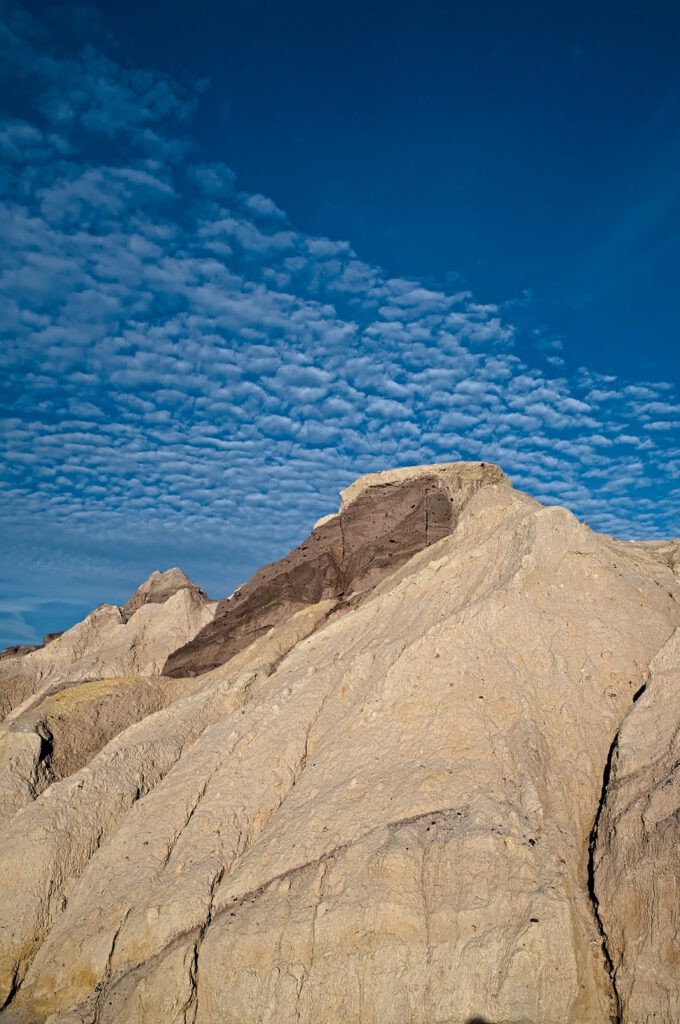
{"x":165,"y":612}
{"x":424,"y":769}
{"x":379,"y":527}
{"x":63,"y":701}
{"x":637,"y":857}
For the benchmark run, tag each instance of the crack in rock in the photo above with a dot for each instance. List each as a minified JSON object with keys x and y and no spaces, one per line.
{"x":592,"y":853}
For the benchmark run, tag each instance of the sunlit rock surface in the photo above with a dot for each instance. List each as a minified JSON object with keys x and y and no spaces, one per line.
{"x":421,"y":770}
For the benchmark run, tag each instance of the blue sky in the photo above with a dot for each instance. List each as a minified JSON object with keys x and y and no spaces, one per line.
{"x":252,"y":250}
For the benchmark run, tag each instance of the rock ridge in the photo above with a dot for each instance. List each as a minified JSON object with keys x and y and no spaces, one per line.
{"x":423,"y":768}
{"x":384,"y":519}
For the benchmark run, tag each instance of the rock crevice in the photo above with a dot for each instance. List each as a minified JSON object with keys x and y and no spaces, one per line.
{"x":592,"y":886}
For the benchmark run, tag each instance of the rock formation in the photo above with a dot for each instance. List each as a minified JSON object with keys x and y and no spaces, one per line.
{"x":378,"y":528}
{"x":159,"y":588}
{"x":637,"y":857}
{"x":10,"y":652}
{"x":423,"y":769}
{"x":63,"y":703}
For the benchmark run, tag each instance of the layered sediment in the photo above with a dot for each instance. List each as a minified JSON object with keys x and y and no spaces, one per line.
{"x":422,"y":769}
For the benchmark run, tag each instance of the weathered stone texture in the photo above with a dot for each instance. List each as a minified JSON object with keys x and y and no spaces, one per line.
{"x":387,"y":794}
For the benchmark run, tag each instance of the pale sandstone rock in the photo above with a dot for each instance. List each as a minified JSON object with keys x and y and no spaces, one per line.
{"x":637,"y":853}
{"x":159,"y":587}
{"x":70,"y":820}
{"x":91,"y":682}
{"x":63,"y":729}
{"x":109,"y":643}
{"x":381,"y":811}
{"x":454,"y":477}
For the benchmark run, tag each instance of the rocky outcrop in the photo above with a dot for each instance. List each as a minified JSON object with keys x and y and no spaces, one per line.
{"x":384,"y":520}
{"x":159,"y":588}
{"x":21,"y":649}
{"x":60,"y":732}
{"x":636,"y":855}
{"x":163,"y":614}
{"x":64,"y":704}
{"x":397,"y":797}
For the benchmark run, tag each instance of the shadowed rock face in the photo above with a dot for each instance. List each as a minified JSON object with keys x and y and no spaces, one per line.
{"x":344,"y":557}
{"x":636,"y":866}
{"x":18,"y":650}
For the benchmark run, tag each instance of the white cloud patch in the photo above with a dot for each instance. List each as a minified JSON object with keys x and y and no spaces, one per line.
{"x":182,"y":365}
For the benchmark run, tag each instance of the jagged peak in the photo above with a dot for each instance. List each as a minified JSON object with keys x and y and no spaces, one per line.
{"x":159,"y":588}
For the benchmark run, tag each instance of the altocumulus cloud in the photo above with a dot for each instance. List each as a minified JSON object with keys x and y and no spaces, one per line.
{"x":188,"y":379}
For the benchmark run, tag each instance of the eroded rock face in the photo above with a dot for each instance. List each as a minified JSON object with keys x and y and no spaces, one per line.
{"x":63,"y":704}
{"x":21,"y":649}
{"x":390,"y":801}
{"x":65,"y":727}
{"x":159,"y":588}
{"x":383,"y":521}
{"x":637,"y":853}
{"x":162,"y":615}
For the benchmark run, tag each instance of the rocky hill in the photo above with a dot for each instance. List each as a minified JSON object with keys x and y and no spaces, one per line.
{"x":423,"y":769}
